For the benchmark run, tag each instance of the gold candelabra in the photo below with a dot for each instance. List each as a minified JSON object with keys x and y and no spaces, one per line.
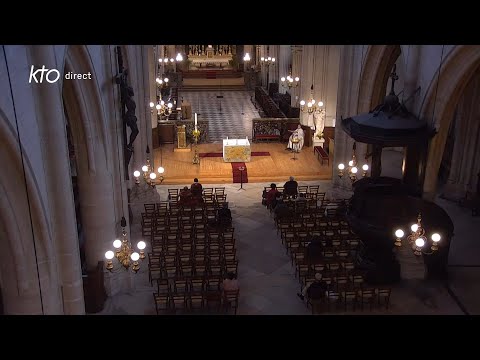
{"x":417,"y":237}
{"x":290,"y":81}
{"x":124,"y":252}
{"x":149,"y":175}
{"x":196,"y":137}
{"x":352,"y":168}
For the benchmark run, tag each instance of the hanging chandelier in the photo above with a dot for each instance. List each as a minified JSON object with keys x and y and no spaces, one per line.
{"x":290,"y":81}
{"x":312,"y":106}
{"x":149,"y":176}
{"x":246,"y":58}
{"x":124,"y":252}
{"x":161,"y":82}
{"x":352,"y":168}
{"x":163,"y":108}
{"x":417,"y":237}
{"x":166,"y":60}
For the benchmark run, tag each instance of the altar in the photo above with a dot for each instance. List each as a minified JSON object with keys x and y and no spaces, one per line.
{"x":236,"y":150}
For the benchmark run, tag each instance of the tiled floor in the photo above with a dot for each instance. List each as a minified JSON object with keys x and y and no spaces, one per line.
{"x":229,"y":113}
{"x":268,"y":284}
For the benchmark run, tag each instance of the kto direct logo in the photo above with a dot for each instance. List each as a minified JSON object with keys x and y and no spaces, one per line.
{"x":51,"y":75}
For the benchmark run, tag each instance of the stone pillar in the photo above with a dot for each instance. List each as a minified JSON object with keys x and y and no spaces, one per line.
{"x":284,"y":62}
{"x":274,"y":53}
{"x":307,"y":80}
{"x":57,"y":170}
{"x":297,"y":54}
{"x":465,"y":163}
{"x":347,"y":105}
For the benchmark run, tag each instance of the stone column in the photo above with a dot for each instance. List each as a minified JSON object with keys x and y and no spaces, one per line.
{"x":57,"y":170}
{"x":297,"y":54}
{"x":347,"y":105}
{"x":465,"y":163}
{"x":284,"y":62}
{"x":307,"y":78}
{"x":274,"y":53}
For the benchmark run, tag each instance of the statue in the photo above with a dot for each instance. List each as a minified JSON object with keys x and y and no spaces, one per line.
{"x":130,"y":118}
{"x":319,"y":123}
{"x":128,"y":115}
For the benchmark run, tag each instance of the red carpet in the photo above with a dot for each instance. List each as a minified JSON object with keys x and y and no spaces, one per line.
{"x":237,"y":176}
{"x":254,"y":153}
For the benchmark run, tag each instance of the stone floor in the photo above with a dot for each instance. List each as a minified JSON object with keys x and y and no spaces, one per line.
{"x":266,"y":276}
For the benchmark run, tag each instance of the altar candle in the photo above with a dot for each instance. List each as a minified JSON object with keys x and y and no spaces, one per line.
{"x":195,"y":121}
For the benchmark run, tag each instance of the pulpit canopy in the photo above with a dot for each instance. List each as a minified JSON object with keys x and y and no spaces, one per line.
{"x":389,"y":124}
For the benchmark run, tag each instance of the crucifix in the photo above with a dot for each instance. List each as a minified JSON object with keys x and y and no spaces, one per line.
{"x":128,"y":107}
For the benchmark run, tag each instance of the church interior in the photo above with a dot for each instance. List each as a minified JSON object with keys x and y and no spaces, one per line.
{"x":239,"y":179}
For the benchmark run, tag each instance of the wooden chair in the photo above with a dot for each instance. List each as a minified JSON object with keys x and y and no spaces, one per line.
{"x":367,"y":296}
{"x":349,"y":297}
{"x":162,"y":303}
{"x":196,"y":301}
{"x":383,"y":296}
{"x":230,"y":300}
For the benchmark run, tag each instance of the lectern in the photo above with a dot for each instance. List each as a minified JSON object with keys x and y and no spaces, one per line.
{"x":181,"y":137}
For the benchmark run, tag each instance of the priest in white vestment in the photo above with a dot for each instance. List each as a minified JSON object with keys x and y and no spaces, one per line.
{"x":299,"y":134}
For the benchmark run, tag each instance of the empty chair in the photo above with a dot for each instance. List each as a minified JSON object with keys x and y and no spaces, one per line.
{"x":162,"y":303}
{"x":367,"y":296}
{"x":383,"y":296}
{"x":230,"y":300}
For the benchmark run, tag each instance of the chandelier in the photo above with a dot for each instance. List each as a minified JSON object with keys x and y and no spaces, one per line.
{"x":161,"y":82}
{"x":246,"y":58}
{"x":312,"y":105}
{"x":290,"y":81}
{"x":352,"y":168}
{"x":417,"y":237}
{"x":166,"y":60}
{"x":267,"y":61}
{"x":149,"y":176}
{"x":124,"y":252}
{"x":163,"y":108}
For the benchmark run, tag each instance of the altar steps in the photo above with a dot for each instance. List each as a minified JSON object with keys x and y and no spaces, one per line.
{"x":213,"y":88}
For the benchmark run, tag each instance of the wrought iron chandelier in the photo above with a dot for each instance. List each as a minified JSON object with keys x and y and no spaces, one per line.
{"x":290,"y":81}
{"x":124,"y":252}
{"x":149,"y":176}
{"x":352,"y":168}
{"x":312,"y":106}
{"x":417,"y":237}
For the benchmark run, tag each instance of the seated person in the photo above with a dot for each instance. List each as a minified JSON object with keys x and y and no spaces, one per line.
{"x":197,"y":192}
{"x":271,"y":195}
{"x":185,"y":197}
{"x":300,"y":202}
{"x":314,"y":250}
{"x":282,"y":210}
{"x":317,"y":290}
{"x":230,"y":283}
{"x":291,"y":187}
{"x":300,"y":135}
{"x":224,"y":215}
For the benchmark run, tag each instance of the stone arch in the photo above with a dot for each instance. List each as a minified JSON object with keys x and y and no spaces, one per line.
{"x":21,"y":288}
{"x":379,"y":61}
{"x":84,"y":109}
{"x":457,"y":69}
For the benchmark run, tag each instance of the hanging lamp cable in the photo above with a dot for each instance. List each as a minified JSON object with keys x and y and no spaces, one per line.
{"x":24,"y":180}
